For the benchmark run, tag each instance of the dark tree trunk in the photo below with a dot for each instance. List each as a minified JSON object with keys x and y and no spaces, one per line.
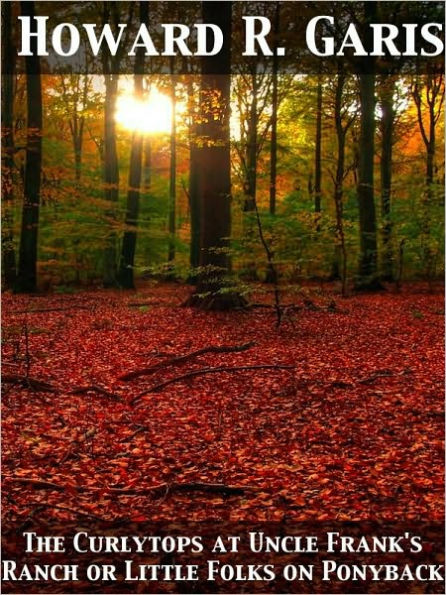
{"x":368,"y":270}
{"x":271,"y":272}
{"x":126,"y":268}
{"x":127,"y":262}
{"x":387,"y":123}
{"x":274,"y":110}
{"x":194,"y":205}
{"x":172,"y":176}
{"x":111,"y":179}
{"x":110,"y":66}
{"x":214,"y":185}
{"x":250,"y":184}
{"x":27,"y":272}
{"x":341,"y":131}
{"x":194,"y":168}
{"x":318,"y":152}
{"x":8,"y":58}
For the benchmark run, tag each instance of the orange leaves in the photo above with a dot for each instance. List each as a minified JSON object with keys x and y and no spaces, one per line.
{"x":316,"y":442}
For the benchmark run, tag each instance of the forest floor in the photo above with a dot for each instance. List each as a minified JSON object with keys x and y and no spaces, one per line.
{"x":351,"y":427}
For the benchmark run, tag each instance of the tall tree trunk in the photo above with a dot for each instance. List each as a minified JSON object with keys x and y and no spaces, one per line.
{"x":127,"y":261}
{"x":27,"y":272}
{"x":368,"y":270}
{"x":274,"y":110}
{"x":8,"y":59}
{"x":341,"y":132}
{"x":194,"y":168}
{"x":387,"y":122}
{"x":111,"y":179}
{"x":194,"y":205}
{"x":214,"y":184}
{"x":318,"y":153}
{"x":172,"y":175}
{"x":250,"y":184}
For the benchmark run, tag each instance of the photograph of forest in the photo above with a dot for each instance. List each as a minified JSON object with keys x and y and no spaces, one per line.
{"x":222,"y":277}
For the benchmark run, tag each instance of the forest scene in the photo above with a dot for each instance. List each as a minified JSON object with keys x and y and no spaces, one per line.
{"x":222,"y":283}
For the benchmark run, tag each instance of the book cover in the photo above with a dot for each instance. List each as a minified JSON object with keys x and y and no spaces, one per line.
{"x":222,"y":273}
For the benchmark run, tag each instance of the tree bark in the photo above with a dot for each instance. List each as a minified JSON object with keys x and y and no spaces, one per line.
{"x":172,"y":175}
{"x":27,"y":271}
{"x":214,"y":184}
{"x":274,"y":110}
{"x":341,"y":132}
{"x":194,"y":169}
{"x":127,"y":262}
{"x":250,"y":184}
{"x":318,"y":153}
{"x":387,"y":124}
{"x":367,"y":273}
{"x":8,"y":59}
{"x":111,"y":179}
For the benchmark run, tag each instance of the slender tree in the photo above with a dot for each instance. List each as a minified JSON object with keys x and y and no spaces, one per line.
{"x":386,"y":93}
{"x":428,"y":94}
{"x":343,"y":119}
{"x":368,"y":266}
{"x":318,"y":153}
{"x":274,"y":118}
{"x":250,"y":183}
{"x":194,"y":171}
{"x":27,"y":271}
{"x":172,"y":172}
{"x":75,"y":92}
{"x":8,"y":60}
{"x":127,"y":261}
{"x":110,"y":66}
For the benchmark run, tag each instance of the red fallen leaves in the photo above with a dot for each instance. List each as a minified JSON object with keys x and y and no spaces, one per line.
{"x":354,"y":431}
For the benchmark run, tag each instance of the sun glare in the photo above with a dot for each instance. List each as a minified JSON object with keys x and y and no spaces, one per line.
{"x":150,"y":116}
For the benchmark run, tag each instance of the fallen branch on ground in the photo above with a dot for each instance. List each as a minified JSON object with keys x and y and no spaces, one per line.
{"x":162,"y":488}
{"x":29,"y":382}
{"x":204,"y":371}
{"x":177,"y":361}
{"x":81,"y":390}
{"x":375,"y":376}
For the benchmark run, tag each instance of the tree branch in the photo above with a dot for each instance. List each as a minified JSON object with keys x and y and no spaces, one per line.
{"x":178,"y":361}
{"x":204,"y":371}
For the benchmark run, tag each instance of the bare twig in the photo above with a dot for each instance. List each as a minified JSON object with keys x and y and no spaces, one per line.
{"x":178,"y":361}
{"x":28,"y":382}
{"x":271,"y":267}
{"x":375,"y":376}
{"x":204,"y":371}
{"x":216,"y":488}
{"x":80,"y":390}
